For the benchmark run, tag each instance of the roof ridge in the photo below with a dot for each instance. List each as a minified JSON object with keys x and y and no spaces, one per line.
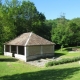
{"x":28,"y":39}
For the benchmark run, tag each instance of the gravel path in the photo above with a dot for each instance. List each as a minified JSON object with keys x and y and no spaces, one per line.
{"x":41,"y":62}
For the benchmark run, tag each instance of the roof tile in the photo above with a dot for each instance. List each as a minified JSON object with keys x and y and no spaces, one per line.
{"x":29,"y":39}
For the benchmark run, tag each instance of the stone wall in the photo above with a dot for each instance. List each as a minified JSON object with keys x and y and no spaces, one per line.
{"x":34,"y":50}
{"x":47,"y":49}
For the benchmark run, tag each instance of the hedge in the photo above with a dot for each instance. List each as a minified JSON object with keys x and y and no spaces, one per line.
{"x":62,"y":61}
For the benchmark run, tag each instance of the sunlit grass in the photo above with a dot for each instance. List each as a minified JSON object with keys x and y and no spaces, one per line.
{"x":65,"y":53}
{"x":13,"y":69}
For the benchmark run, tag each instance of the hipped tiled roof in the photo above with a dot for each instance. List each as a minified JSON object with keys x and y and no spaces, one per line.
{"x":29,"y":39}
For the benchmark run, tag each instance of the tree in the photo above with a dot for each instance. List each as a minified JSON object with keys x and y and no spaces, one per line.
{"x":66,"y":32}
{"x":1,"y":29}
{"x":59,"y":33}
{"x":19,"y":17}
{"x":74,"y":33}
{"x":48,"y":25}
{"x":28,"y":18}
{"x":10,"y":11}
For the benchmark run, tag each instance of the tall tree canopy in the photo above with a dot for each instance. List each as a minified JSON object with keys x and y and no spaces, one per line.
{"x":59,"y":33}
{"x":74,"y":32}
{"x":66,"y":32}
{"x":18,"y":17}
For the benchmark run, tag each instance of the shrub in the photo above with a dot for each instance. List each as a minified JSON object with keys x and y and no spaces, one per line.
{"x":62,"y":61}
{"x":49,"y":64}
{"x":55,"y":62}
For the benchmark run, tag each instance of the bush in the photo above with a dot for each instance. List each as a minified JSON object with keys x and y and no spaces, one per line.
{"x":49,"y":64}
{"x":62,"y":61}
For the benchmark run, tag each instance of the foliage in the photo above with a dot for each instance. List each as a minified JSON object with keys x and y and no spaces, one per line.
{"x":59,"y":33}
{"x":19,"y":17}
{"x":62,"y":61}
{"x":66,"y":32}
{"x":74,"y":32}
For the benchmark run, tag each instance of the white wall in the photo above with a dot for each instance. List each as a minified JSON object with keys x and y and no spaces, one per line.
{"x":20,"y":57}
{"x":8,"y":54}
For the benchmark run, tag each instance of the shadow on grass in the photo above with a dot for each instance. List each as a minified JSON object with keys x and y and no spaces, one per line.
{"x":8,"y":60}
{"x":69,"y":49}
{"x":78,"y":46}
{"x":59,"y":54}
{"x":52,"y":74}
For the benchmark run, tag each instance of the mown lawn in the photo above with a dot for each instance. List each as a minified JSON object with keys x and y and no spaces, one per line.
{"x":12,"y":69}
{"x":67,"y":53}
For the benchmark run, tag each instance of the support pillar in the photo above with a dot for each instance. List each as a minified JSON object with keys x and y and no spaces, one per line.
{"x":25,"y":53}
{"x":17,"y":49}
{"x":41,"y":50}
{"x":4,"y":49}
{"x":10,"y":48}
{"x":53,"y":49}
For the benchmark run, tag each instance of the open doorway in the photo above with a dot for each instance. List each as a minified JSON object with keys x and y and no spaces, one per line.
{"x":13,"y":50}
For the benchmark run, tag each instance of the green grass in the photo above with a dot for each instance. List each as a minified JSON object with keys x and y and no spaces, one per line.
{"x":12,"y":69}
{"x":65,"y":53}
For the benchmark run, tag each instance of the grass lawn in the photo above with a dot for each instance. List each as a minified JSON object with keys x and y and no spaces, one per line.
{"x":66,"y":53}
{"x":12,"y":69}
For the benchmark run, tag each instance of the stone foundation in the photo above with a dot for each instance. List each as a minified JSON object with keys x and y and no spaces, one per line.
{"x":8,"y":54}
{"x":20,"y":57}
